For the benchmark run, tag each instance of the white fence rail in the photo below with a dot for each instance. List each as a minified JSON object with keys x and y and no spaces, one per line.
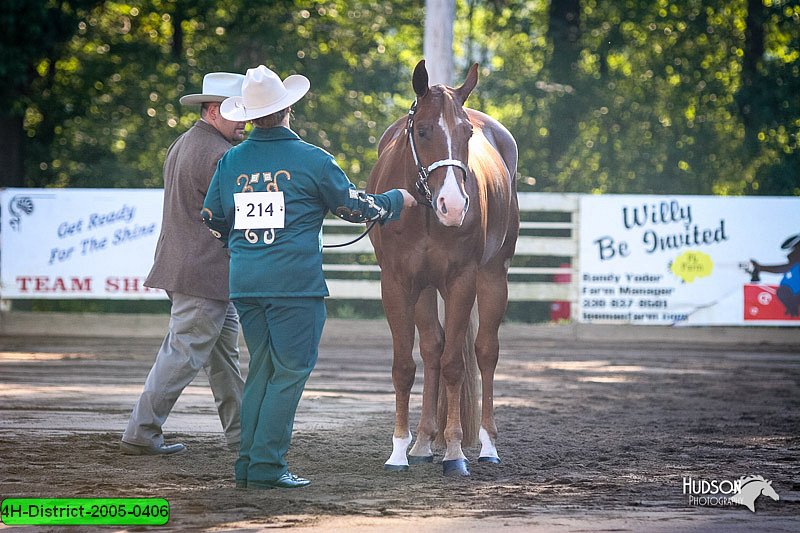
{"x":548,"y":239}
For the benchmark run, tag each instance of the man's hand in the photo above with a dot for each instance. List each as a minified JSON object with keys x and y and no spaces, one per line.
{"x":408,"y":200}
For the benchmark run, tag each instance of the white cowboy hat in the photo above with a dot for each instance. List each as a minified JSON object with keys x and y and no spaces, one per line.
{"x":263,"y":93}
{"x":217,"y":86}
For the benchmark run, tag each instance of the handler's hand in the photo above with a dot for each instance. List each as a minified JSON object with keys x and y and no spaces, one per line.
{"x":408,"y":200}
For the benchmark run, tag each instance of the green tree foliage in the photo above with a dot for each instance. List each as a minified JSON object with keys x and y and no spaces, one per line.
{"x":655,"y":97}
{"x":358,"y":56}
{"x":31,"y":32}
{"x":623,"y":96}
{"x":112,"y":110}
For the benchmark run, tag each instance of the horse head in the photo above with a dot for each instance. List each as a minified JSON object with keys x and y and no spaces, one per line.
{"x":439,"y":131}
{"x":750,"y":488}
{"x":767,"y":490}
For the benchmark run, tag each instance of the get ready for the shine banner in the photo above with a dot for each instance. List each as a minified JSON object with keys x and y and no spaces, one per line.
{"x":78,"y":243}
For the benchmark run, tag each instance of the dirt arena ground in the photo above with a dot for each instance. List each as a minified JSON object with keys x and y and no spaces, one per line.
{"x":596,"y":435}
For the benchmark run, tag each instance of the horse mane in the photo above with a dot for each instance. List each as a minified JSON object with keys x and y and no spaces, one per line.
{"x":391,"y":155}
{"x":491,"y":177}
{"x":449,"y":111}
{"x":749,"y":479}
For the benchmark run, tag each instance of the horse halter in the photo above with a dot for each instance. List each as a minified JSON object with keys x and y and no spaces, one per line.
{"x":422,"y":171}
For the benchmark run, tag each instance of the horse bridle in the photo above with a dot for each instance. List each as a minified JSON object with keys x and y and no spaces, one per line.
{"x":422,"y":171}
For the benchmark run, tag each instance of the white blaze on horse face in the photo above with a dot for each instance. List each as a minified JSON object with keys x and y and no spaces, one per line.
{"x":451,"y":203}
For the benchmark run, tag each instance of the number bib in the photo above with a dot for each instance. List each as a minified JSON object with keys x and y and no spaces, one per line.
{"x":259,"y":210}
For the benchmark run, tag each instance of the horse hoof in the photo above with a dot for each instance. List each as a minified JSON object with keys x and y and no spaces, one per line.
{"x":455,"y":468}
{"x":489,"y":459}
{"x":395,"y":468}
{"x":419,"y":459}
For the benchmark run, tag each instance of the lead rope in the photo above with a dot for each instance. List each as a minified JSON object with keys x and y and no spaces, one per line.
{"x":348,"y":243}
{"x":422,"y":185}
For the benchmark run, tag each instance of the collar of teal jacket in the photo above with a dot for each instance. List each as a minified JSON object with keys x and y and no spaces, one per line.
{"x":278,"y":133}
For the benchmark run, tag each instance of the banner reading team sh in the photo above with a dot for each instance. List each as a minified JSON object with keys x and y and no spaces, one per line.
{"x":78,"y":243}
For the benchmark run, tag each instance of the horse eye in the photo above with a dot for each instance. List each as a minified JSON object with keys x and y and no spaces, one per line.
{"x":424,"y":131}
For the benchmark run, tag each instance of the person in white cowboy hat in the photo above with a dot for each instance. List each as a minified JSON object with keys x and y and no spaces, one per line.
{"x":267,"y":201}
{"x":203,"y":328}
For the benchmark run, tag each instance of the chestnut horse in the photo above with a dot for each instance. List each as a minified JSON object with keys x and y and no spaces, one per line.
{"x":460,"y":165}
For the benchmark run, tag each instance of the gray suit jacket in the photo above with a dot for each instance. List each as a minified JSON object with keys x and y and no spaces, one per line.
{"x":188,"y":258}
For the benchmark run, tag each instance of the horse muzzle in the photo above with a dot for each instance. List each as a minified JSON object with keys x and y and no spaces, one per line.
{"x":451,"y":209}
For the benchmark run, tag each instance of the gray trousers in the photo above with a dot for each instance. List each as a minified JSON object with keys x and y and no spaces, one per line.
{"x":202,"y":333}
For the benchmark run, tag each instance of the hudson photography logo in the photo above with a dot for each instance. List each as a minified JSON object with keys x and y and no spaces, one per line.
{"x":728,"y":493}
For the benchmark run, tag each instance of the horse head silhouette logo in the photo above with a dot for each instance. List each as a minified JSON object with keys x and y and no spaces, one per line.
{"x":750,"y":488}
{"x":18,"y":206}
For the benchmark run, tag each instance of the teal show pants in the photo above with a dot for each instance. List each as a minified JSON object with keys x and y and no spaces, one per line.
{"x":282,"y":336}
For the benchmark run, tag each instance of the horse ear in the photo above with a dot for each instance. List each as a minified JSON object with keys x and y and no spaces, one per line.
{"x":469,"y":83}
{"x":420,"y":79}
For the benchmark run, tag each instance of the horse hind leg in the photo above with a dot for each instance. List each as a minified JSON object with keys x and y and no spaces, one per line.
{"x":492,"y":302}
{"x":431,"y":343}
{"x":458,"y":306}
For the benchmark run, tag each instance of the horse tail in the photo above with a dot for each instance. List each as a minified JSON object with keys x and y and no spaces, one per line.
{"x":470,"y":389}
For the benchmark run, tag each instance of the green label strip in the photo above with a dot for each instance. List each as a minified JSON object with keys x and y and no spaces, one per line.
{"x":84,"y":511}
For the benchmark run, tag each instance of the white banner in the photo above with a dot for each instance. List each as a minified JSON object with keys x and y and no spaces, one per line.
{"x":685,"y":260}
{"x":78,"y":243}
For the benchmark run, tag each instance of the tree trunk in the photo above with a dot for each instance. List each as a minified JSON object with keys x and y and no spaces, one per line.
{"x":564,"y":33}
{"x":437,"y":44}
{"x":177,"y":31}
{"x":11,"y":155}
{"x":750,"y":89}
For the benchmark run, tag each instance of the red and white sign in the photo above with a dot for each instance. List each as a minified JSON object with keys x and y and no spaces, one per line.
{"x":761,"y":303}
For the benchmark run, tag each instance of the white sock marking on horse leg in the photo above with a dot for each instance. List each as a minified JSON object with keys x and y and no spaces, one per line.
{"x":487,"y":446}
{"x":453,"y":452}
{"x":421,"y":448}
{"x":399,"y":447}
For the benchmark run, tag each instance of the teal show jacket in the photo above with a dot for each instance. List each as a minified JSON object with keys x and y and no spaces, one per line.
{"x":285,"y":262}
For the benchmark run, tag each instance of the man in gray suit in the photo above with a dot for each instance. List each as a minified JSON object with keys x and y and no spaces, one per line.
{"x":192,"y":267}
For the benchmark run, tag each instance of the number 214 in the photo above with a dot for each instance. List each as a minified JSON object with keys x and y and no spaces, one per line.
{"x":261,"y":211}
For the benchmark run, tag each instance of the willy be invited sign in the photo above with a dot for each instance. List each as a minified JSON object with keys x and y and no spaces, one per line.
{"x":78,"y":243}
{"x":687,"y":260}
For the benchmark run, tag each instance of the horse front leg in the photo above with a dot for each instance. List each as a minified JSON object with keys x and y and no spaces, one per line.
{"x":399,"y":308}
{"x":431,"y":342}
{"x":459,"y":300}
